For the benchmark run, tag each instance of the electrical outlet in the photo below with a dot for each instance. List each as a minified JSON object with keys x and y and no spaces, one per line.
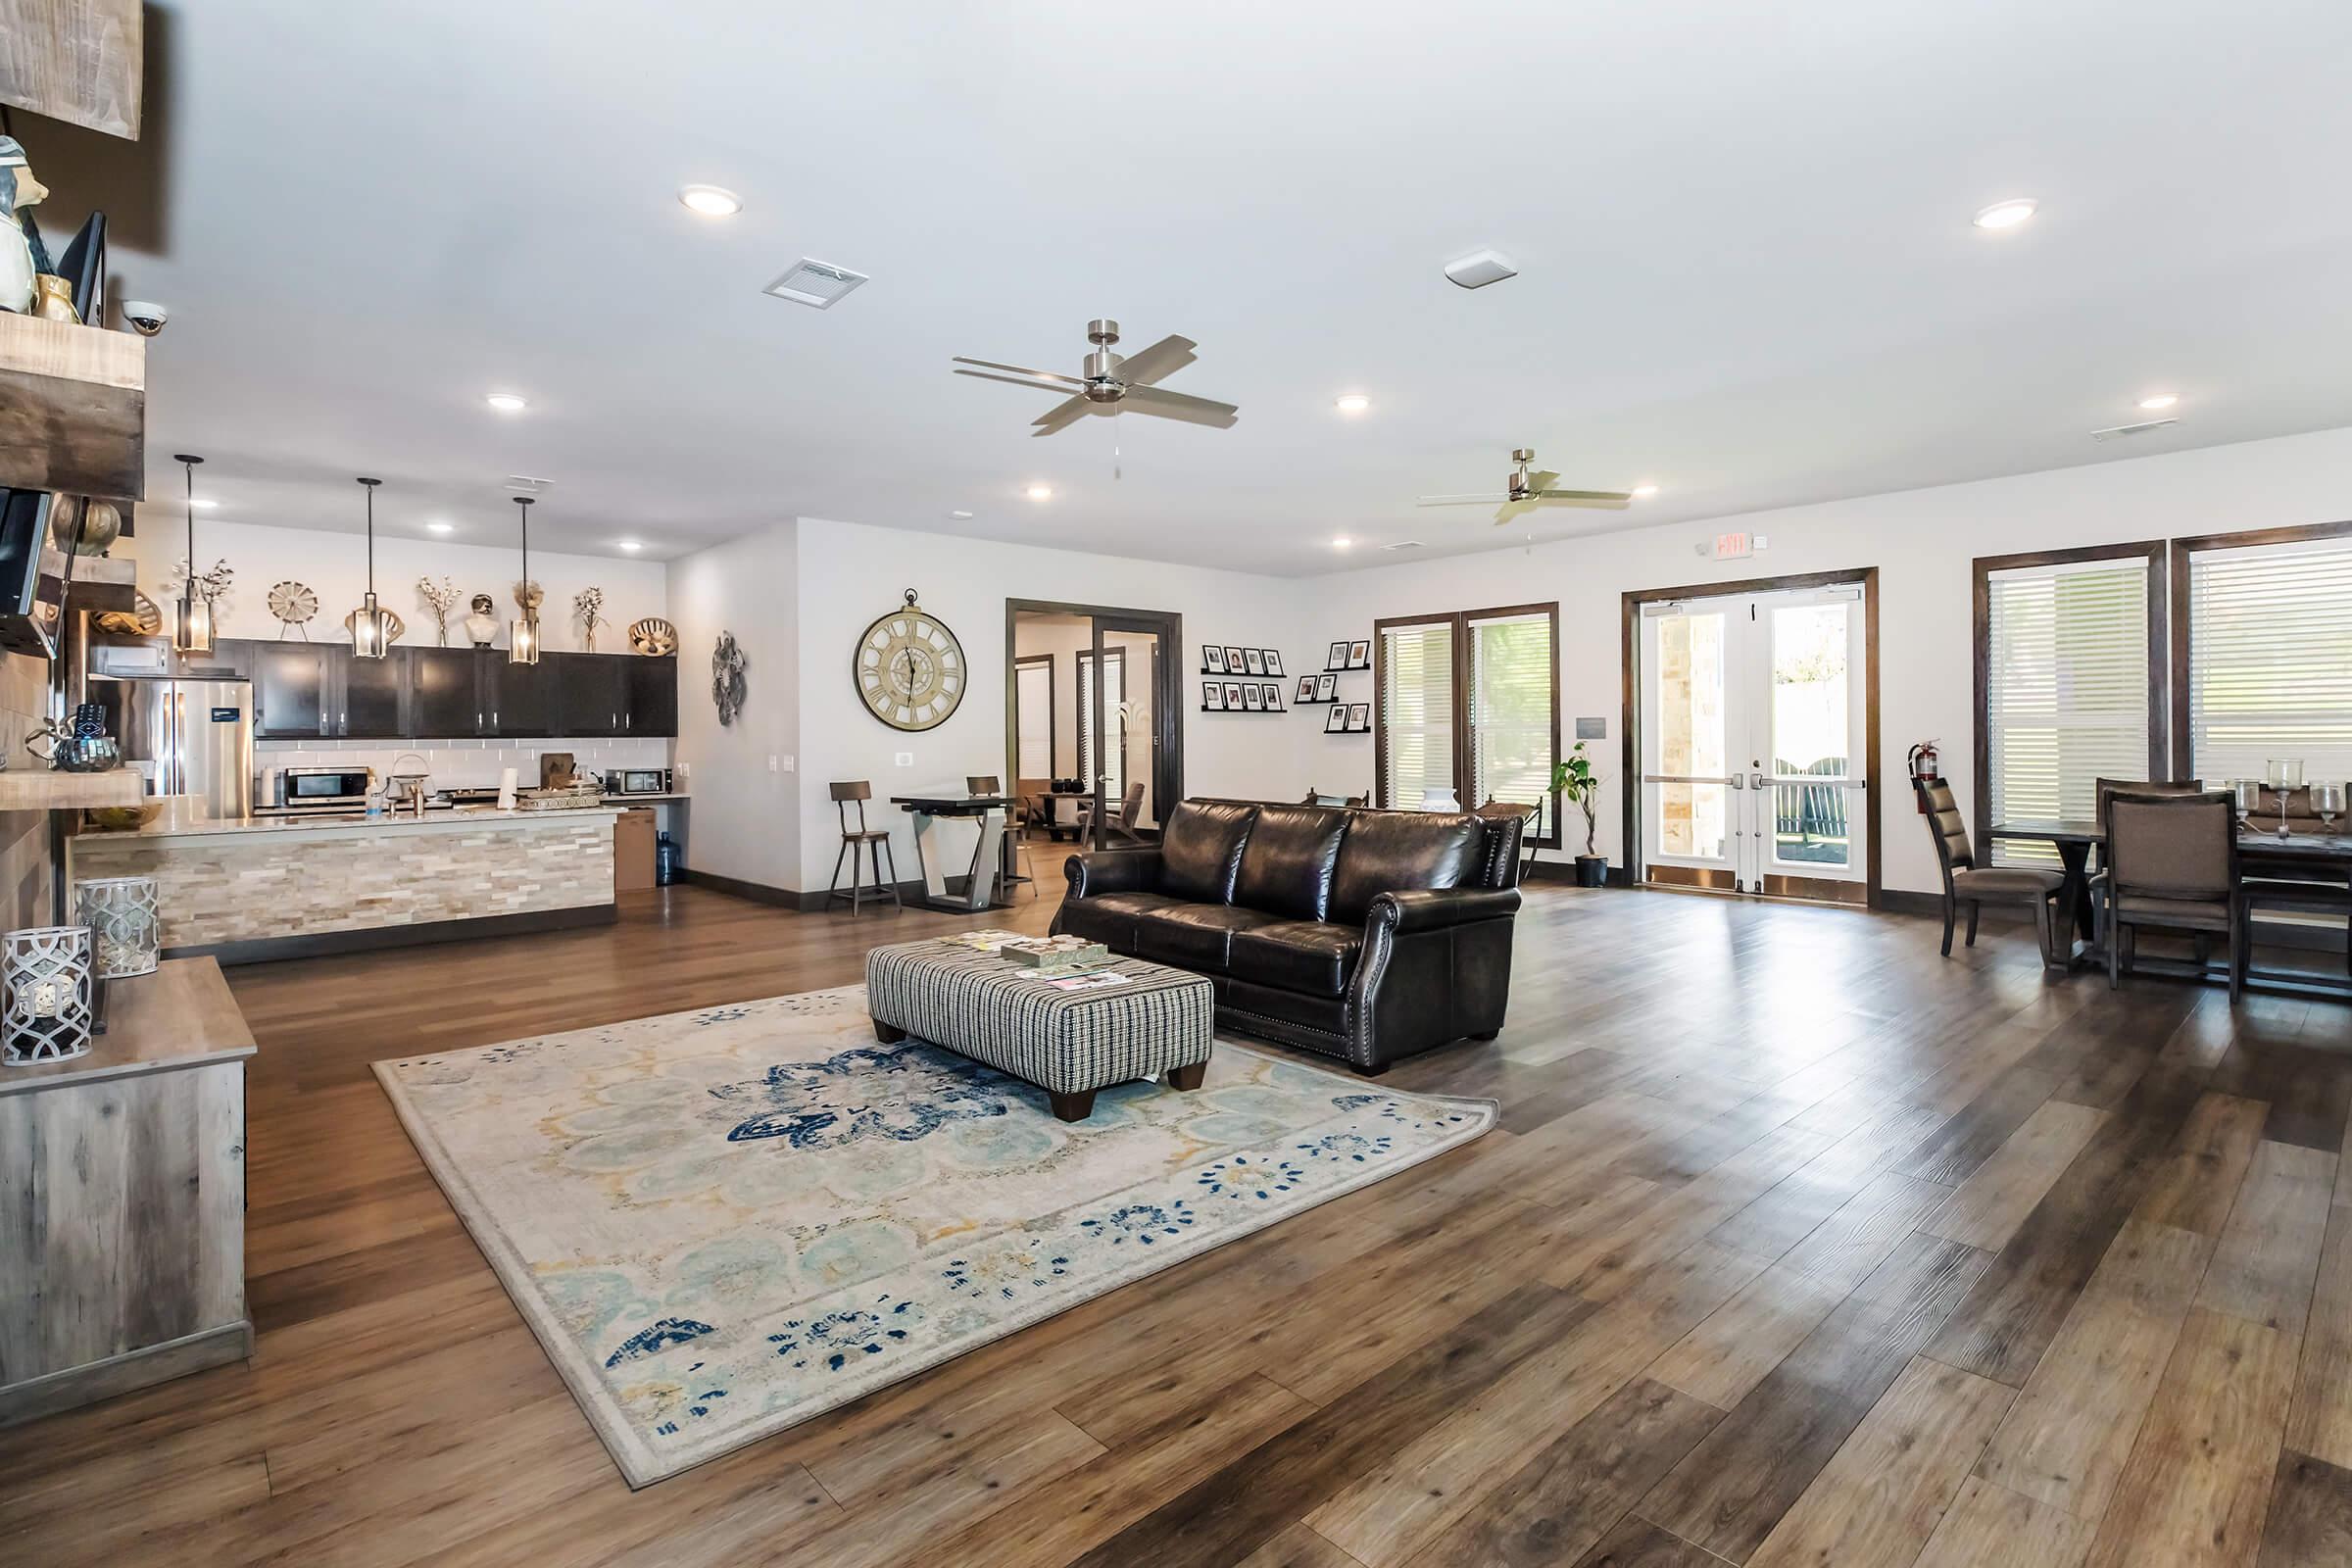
{"x":902,"y":760}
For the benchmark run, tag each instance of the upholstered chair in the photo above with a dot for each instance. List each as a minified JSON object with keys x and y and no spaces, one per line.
{"x":1966,"y":882}
{"x":2172,"y":862}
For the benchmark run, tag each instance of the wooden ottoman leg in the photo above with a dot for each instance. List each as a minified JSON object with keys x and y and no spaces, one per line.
{"x":890,"y":1034}
{"x":1072,"y":1107}
{"x":1188,"y":1077}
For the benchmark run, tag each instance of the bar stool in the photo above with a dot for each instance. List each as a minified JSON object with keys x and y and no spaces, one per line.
{"x":1016,"y":849}
{"x":876,"y":843}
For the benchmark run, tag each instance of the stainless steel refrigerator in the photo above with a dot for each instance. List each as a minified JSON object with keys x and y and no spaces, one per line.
{"x":189,"y":735}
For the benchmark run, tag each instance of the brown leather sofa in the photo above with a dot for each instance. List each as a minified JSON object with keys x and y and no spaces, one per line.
{"x":1364,"y":935}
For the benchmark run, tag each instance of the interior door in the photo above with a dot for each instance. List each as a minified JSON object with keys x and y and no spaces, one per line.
{"x":1122,"y":714}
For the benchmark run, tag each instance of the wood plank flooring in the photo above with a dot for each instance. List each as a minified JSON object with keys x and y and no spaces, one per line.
{"x":1797,"y":1243}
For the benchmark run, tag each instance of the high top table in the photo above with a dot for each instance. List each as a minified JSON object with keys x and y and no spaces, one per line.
{"x":980,"y":887}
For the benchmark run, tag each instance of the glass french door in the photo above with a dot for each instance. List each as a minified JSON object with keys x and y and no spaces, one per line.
{"x":1752,"y":725}
{"x":1119,"y":691}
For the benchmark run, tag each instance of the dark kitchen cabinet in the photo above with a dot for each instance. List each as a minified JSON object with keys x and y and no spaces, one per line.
{"x":445,"y":694}
{"x":594,"y":690}
{"x":522,"y":698}
{"x":372,"y":694}
{"x":293,"y":690}
{"x":653,"y":695}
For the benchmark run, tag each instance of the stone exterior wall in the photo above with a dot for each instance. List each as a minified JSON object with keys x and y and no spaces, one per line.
{"x":245,"y":887}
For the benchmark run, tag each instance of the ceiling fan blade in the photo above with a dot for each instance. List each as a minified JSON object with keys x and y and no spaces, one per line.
{"x":1541,"y":480}
{"x":1062,"y":416}
{"x":1179,"y":406}
{"x":1484,"y":499}
{"x":1587,"y":498}
{"x":1020,"y":370}
{"x":1512,"y":512}
{"x":1014,"y":380}
{"x":1161,"y":360}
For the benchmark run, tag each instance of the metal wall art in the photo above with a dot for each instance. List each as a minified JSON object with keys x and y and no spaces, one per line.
{"x":293,"y":603}
{"x":126,"y":922}
{"x":44,"y":993}
{"x":727,"y":685}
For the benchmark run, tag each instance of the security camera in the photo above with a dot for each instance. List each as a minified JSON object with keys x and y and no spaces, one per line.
{"x":146,"y":317}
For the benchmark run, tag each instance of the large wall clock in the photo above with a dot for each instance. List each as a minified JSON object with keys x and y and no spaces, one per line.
{"x":909,"y":669}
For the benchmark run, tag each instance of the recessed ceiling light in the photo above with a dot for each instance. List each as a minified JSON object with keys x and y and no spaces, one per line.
{"x":506,"y":402}
{"x":1351,"y":403}
{"x":2005,"y":214}
{"x":961,"y":515}
{"x":631,"y":545}
{"x":1341,"y":542}
{"x":2162,"y":400}
{"x":440,"y":527}
{"x":712,"y":201}
{"x":204,"y":504}
{"x":1040,"y":492}
{"x":1642,"y":492}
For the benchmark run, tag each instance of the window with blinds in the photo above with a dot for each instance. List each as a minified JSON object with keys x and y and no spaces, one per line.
{"x":1500,"y":666}
{"x":2067,"y":683}
{"x":1115,"y":722}
{"x":1416,"y":712}
{"x":2270,"y":660}
{"x":1512,"y":711}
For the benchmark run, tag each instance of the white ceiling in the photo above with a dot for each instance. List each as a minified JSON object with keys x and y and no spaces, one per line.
{"x":1748,"y":274}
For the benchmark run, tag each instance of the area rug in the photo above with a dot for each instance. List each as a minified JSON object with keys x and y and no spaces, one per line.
{"x":724,"y":1222}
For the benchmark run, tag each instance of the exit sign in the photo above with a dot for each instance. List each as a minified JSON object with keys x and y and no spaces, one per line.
{"x":1733,"y":546}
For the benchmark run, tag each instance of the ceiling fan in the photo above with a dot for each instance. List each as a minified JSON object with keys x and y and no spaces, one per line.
{"x":1112,"y":382}
{"x":1529,"y":490}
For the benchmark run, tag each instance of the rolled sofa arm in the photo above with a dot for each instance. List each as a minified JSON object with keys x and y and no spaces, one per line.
{"x":1433,"y":910}
{"x":1112,"y":871}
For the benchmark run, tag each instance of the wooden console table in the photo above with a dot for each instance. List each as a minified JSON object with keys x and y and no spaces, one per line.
{"x":122,"y":1200}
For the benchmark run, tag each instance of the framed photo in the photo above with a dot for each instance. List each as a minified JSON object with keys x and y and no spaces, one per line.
{"x":1212,"y":658}
{"x":1306,"y":689}
{"x":1327,"y":686}
{"x":1337,"y":658}
{"x":1233,"y":696}
{"x":1273,"y":698}
{"x":1334,"y":722}
{"x":1359,"y":715}
{"x":1253,"y":661}
{"x":1274,"y":661}
{"x":1233,"y":659}
{"x":1212,"y":696}
{"x":1359,"y":653}
{"x":1253,"y":698}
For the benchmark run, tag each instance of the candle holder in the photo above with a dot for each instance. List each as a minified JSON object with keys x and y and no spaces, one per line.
{"x":44,"y":993}
{"x":125,"y":924}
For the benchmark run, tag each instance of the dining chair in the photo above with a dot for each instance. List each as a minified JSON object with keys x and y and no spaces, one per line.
{"x":857,"y":844}
{"x":1122,"y":823}
{"x":1966,"y":882}
{"x":2172,"y":864}
{"x":2289,"y":884}
{"x":2102,"y":789}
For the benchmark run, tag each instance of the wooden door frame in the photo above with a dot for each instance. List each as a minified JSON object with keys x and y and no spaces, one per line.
{"x":1629,"y":788}
{"x":1168,"y":677}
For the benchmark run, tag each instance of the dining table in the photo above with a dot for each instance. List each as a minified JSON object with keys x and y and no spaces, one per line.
{"x":2262,"y":851}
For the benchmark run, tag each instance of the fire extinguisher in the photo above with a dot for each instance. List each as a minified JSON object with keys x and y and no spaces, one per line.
{"x":1924,"y":772}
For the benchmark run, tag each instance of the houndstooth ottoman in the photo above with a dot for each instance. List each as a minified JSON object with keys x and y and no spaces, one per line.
{"x":1067,"y":1043}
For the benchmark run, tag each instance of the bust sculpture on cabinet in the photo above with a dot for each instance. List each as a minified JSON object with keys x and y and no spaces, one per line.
{"x":480,"y":626}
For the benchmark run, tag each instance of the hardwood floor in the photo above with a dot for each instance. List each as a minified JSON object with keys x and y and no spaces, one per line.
{"x":1797,"y":1243}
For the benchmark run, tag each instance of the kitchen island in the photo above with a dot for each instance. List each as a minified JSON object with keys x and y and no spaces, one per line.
{"x":249,"y":889}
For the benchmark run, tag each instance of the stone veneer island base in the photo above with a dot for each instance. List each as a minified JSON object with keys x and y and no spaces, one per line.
{"x":280,"y":887}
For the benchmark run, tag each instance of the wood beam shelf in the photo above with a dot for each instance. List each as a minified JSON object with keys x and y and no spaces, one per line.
{"x":78,"y":61}
{"x":73,"y":408}
{"x":41,"y":789}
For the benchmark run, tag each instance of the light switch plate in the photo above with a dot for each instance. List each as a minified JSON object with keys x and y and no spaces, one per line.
{"x":787,"y":764}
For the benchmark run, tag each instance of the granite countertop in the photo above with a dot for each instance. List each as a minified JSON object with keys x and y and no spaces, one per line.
{"x":172,"y":823}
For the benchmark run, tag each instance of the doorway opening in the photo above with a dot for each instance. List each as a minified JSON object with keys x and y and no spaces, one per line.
{"x":1751,"y":734}
{"x":1092,"y":733}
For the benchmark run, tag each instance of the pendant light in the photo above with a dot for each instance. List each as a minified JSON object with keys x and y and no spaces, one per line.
{"x":522,"y":645}
{"x":370,"y":635}
{"x":191,"y":613}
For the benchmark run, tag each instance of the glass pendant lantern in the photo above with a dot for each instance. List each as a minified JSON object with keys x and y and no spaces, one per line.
{"x":370,"y":634}
{"x":522,"y":645}
{"x":191,"y":612}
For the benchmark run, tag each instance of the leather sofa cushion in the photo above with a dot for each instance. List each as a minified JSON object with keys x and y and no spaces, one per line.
{"x":2005,"y":882}
{"x":1391,"y":851}
{"x":1194,"y":936}
{"x":1110,"y":918}
{"x":1287,"y":864}
{"x":1311,"y":955}
{"x":1201,"y":849}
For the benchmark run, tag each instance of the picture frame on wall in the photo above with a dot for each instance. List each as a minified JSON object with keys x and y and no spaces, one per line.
{"x":1306,"y":689}
{"x":1233,"y":696}
{"x":1359,"y":653}
{"x":1337,"y":658}
{"x":1253,"y":661}
{"x":1359,"y":715}
{"x":1212,"y":696}
{"x":1233,"y":659}
{"x":1273,"y":698}
{"x":1327,"y":686}
{"x":1212,"y":658}
{"x":1253,"y":698}
{"x":1334,"y":722}
{"x":1274,"y":663}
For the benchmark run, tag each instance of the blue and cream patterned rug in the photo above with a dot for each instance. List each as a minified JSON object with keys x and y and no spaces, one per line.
{"x":724,"y":1222}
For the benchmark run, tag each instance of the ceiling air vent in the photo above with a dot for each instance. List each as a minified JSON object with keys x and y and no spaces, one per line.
{"x":1403,"y":544}
{"x":524,"y":484}
{"x":817,"y":283}
{"x":2115,"y":432}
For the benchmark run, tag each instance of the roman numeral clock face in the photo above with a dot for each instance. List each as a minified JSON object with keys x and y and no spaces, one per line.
{"x":910,"y":669}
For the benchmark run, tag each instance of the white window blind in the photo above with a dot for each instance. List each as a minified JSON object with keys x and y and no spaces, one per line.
{"x":1511,"y":683}
{"x":2067,"y":689}
{"x":1416,"y":712}
{"x":1114,"y":724}
{"x":2270,"y":660}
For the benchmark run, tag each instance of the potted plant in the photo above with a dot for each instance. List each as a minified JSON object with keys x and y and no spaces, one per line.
{"x":1572,"y":779}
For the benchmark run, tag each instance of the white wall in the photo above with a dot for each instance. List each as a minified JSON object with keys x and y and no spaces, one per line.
{"x":746,"y":819}
{"x":335,"y":567}
{"x":1922,"y":541}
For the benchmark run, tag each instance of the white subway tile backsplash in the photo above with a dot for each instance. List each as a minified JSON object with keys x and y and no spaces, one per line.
{"x":465,"y":763}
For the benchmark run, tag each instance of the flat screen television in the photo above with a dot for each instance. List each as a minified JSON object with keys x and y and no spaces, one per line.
{"x":24,"y":628}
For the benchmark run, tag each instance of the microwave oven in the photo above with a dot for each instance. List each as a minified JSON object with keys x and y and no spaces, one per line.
{"x":637,"y":781}
{"x":321,"y":787}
